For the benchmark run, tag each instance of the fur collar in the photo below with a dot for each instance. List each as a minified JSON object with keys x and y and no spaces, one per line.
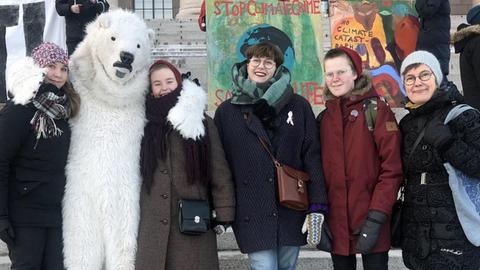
{"x":465,"y":32}
{"x":188,"y":113}
{"x":23,"y":80}
{"x":361,"y":87}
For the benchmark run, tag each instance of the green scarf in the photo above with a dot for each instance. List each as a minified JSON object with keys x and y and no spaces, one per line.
{"x":276,"y":92}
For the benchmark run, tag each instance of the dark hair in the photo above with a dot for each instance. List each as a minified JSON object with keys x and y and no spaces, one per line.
{"x":334,"y":53}
{"x":265,"y":49}
{"x":73,"y":98}
{"x":412,"y":66}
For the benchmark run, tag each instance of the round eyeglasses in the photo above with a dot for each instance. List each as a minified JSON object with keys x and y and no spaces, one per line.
{"x":410,"y":79}
{"x":268,"y":64}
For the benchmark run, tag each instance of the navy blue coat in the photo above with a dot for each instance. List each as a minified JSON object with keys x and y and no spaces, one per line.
{"x":434,"y":34}
{"x":261,"y":223}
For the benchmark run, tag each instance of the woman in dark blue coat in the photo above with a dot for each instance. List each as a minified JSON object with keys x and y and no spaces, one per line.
{"x":264,"y":105}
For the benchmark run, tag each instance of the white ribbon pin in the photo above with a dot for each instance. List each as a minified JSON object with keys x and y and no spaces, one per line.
{"x":290,"y":118}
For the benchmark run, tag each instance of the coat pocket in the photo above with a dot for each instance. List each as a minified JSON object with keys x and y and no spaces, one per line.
{"x":23,"y":188}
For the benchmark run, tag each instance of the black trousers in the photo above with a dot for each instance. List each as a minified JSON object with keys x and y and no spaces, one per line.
{"x":373,"y":261}
{"x":37,"y":249}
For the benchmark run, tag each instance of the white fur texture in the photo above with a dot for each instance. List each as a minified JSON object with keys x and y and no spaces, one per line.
{"x":23,"y":80}
{"x":187,"y":115}
{"x":101,"y":203}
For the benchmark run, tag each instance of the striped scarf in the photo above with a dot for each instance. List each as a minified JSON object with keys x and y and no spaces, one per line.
{"x":49,"y":107}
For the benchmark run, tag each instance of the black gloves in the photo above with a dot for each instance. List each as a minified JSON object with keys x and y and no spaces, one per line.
{"x":438,"y":135}
{"x":370,"y":230}
{"x":326,"y":239}
{"x":264,"y":112}
{"x":6,"y":231}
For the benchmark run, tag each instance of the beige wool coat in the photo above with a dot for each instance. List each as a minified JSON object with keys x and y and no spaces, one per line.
{"x":160,"y":243}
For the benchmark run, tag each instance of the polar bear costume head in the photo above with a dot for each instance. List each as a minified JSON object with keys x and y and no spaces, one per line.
{"x":111,"y":63}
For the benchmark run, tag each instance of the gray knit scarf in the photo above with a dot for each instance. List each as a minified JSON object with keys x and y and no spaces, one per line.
{"x":277,"y":91}
{"x":50,"y":106}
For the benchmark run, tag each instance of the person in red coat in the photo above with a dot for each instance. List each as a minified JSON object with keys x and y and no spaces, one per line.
{"x":363,"y":169}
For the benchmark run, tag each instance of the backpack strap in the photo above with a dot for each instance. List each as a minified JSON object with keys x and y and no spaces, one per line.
{"x":370,"y":107}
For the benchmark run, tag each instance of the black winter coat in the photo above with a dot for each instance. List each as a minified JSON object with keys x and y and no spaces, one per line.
{"x":32,"y":179}
{"x":434,"y":34}
{"x":75,"y":23}
{"x":467,"y":43}
{"x":261,"y":223}
{"x":433,"y":236}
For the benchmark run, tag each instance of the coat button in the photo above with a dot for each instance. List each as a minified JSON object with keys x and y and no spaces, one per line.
{"x":270,"y":179}
{"x":247,"y":219}
{"x":164,"y":171}
{"x":25,"y":188}
{"x":165,"y":196}
{"x":165,"y":222}
{"x":245,"y":182}
{"x":274,"y":214}
{"x":433,"y":212}
{"x":424,"y":147}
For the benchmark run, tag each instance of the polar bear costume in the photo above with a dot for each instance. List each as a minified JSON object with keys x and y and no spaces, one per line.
{"x":109,"y":69}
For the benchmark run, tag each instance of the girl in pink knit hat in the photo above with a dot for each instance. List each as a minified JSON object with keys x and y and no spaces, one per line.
{"x":35,"y":139}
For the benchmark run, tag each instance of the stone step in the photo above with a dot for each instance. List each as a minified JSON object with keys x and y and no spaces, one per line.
{"x":308,"y":259}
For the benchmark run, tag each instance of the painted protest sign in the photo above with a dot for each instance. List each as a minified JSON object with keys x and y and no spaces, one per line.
{"x":295,"y":26}
{"x":383,"y":32}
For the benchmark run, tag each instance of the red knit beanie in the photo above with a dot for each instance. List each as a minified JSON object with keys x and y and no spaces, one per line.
{"x":178,"y":75}
{"x":355,"y":58}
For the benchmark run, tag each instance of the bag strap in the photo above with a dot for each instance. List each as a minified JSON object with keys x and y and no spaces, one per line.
{"x":456,"y":111}
{"x":415,"y":144}
{"x":370,"y":110}
{"x":275,"y":161}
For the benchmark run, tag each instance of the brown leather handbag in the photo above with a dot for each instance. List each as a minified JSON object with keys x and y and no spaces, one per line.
{"x":292,"y":184}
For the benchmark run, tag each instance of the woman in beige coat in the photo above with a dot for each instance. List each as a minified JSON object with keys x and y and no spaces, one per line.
{"x":182,"y":158}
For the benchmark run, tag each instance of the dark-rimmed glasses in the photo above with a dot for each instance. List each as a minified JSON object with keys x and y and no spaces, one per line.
{"x":410,"y":79}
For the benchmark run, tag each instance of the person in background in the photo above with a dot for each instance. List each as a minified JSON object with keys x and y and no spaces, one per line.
{"x":433,"y":237}
{"x":467,"y":42}
{"x":181,"y":158}
{"x":78,"y":13}
{"x":434,"y":34}
{"x":361,"y":161}
{"x":265,"y":107}
{"x":35,"y":139}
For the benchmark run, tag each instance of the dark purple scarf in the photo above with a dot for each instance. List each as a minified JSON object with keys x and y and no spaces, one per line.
{"x":154,"y":143}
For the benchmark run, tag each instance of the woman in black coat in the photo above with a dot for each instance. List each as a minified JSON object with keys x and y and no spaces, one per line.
{"x":264,"y":106}
{"x":35,"y":138}
{"x":433,"y":235}
{"x":434,"y":34}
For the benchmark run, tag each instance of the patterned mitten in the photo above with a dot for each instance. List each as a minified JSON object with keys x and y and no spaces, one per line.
{"x":313,"y":225}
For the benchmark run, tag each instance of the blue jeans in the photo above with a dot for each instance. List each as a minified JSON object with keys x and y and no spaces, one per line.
{"x":281,"y":258}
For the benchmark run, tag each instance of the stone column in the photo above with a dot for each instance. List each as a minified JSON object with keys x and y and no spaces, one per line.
{"x":189,"y":9}
{"x":125,"y":4}
{"x":113,"y":4}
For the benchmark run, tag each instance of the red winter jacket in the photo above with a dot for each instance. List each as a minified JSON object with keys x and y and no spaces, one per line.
{"x":363,"y":169}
